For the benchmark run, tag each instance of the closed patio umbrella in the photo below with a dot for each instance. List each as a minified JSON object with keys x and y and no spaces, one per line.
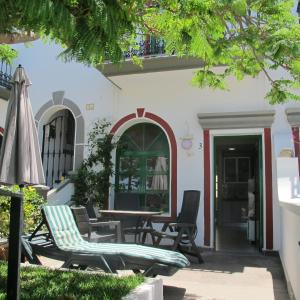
{"x":20,"y":163}
{"x":160,"y":182}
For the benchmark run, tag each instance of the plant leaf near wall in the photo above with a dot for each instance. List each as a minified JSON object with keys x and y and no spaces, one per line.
{"x":91,"y":181}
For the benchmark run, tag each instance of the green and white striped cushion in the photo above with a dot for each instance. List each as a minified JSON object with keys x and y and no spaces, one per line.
{"x":67,"y":237}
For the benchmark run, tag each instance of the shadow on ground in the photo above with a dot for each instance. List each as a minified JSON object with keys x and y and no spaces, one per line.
{"x":229,"y":276}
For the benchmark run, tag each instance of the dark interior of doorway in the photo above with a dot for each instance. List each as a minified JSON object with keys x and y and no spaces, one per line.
{"x":238,"y":193}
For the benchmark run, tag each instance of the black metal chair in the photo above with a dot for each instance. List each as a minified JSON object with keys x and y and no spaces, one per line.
{"x":92,"y":212}
{"x":183,"y":232}
{"x":130,"y":225}
{"x":94,"y":231}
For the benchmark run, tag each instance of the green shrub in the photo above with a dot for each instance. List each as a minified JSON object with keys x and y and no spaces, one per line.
{"x":32,"y":212}
{"x":91,"y":182}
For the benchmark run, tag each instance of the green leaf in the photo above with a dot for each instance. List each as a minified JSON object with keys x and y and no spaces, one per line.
{"x":239,"y":7}
{"x":296,"y":66}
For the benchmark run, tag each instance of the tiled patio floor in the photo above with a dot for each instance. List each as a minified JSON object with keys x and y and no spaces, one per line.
{"x":229,"y":276}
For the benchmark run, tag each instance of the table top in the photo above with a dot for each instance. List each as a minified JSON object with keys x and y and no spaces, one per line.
{"x":139,"y":213}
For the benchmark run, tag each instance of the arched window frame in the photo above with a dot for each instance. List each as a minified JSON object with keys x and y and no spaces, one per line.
{"x":146,"y":165}
{"x":143,"y":116}
{"x":57,"y":103}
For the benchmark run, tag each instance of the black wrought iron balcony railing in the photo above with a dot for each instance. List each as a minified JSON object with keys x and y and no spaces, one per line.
{"x":155,"y":59}
{"x":5,"y":75}
{"x":149,"y":47}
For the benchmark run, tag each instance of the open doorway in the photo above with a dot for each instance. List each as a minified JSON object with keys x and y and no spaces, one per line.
{"x":238,"y":193}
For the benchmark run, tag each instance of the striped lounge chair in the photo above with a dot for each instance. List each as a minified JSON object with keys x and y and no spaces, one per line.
{"x":64,"y":242}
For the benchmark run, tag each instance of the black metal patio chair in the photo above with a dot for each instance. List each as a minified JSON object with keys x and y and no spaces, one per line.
{"x":130,"y":225}
{"x":183,"y":232}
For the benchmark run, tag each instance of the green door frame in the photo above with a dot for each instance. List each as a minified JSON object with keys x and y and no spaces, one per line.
{"x":261,"y":192}
{"x":260,"y":180}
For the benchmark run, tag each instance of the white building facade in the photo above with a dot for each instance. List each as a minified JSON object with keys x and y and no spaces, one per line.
{"x":188,"y":138}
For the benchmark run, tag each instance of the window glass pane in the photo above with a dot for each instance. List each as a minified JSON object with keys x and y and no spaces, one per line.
{"x":157,"y":182}
{"x":160,"y":144}
{"x":129,"y":164}
{"x":151,"y":163}
{"x":151,"y":133}
{"x":135,"y":133}
{"x":129,"y":183}
{"x":157,"y":202}
{"x":158,"y":165}
{"x":243,"y":169}
{"x":128,"y":145}
{"x":230,"y":169}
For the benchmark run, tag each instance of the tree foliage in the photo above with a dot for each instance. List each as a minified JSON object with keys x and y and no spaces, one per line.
{"x":90,"y":30}
{"x":247,"y":37}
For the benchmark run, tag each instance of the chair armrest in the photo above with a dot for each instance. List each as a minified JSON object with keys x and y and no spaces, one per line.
{"x":104,"y":224}
{"x":93,"y":220}
{"x":182,"y":224}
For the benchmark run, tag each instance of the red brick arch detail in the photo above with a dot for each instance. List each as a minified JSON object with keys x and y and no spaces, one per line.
{"x":1,"y":130}
{"x":121,"y":122}
{"x":173,"y":146}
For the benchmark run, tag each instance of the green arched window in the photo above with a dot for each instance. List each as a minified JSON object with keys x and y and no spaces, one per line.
{"x":142,"y":166}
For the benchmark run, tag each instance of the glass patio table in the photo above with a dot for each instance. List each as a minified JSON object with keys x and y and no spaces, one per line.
{"x":143,"y":223}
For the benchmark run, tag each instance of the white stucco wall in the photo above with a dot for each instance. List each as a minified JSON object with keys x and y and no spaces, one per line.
{"x":290,"y":249}
{"x":167,"y":94}
{"x":82,"y":84}
{"x":289,"y":201}
{"x":171,"y":96}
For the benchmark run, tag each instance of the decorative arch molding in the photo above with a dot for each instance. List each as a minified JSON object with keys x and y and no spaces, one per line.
{"x":59,"y":102}
{"x":144,"y":116}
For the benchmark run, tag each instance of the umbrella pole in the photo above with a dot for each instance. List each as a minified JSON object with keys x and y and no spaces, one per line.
{"x":14,"y":250}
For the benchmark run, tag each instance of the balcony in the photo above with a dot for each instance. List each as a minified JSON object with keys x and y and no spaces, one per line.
{"x":5,"y":80}
{"x":154,"y":58}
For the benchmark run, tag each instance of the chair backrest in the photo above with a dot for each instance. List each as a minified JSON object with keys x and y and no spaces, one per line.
{"x":61,"y":225}
{"x":91,"y":210}
{"x":127,"y":201}
{"x":190,"y":207}
{"x":81,"y":218}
